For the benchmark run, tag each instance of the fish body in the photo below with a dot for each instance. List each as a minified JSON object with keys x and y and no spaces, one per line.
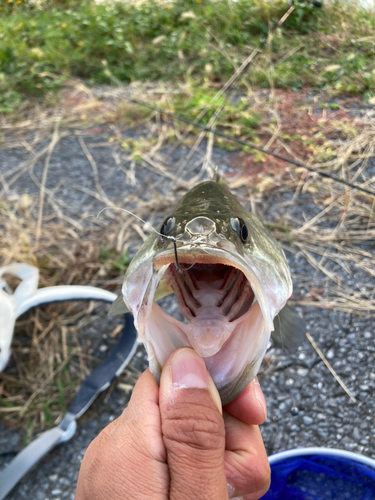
{"x":230,"y":278}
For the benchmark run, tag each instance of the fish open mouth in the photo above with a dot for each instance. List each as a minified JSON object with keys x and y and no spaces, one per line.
{"x":226,"y":320}
{"x":210,"y":290}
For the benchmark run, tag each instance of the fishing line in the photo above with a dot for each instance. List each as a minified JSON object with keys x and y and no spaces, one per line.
{"x":230,"y":82}
{"x":246,"y":143}
{"x":181,"y":269}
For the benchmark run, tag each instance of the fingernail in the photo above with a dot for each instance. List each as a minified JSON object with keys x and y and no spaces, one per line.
{"x":188,"y":370}
{"x":259,"y":396}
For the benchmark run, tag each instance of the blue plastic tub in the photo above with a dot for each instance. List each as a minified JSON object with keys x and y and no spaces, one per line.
{"x":321,"y":474}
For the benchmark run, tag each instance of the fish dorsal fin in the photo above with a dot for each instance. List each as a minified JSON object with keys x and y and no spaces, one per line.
{"x":290,"y":329}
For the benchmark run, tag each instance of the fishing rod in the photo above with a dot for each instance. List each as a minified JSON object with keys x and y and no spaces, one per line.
{"x":242,"y":142}
{"x":250,"y":145}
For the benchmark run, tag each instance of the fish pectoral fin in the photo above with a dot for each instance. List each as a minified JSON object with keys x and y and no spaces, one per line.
{"x":118,"y":307}
{"x":290,"y":329}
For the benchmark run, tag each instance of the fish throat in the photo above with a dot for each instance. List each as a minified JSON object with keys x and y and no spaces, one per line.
{"x":216,"y":291}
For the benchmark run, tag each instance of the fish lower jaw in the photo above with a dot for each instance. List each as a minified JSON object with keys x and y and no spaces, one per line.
{"x":231,"y":350}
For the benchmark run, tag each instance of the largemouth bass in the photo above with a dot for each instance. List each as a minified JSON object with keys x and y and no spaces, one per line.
{"x":230,"y":278}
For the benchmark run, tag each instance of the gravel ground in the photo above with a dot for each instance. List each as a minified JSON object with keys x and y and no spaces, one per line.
{"x":306,"y":406}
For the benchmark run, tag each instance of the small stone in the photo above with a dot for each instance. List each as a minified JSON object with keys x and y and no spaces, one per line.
{"x":330,"y":354}
{"x":302,"y":372}
{"x":53,"y":477}
{"x":294,"y":411}
{"x":65,"y":481}
{"x":290,"y":381}
{"x":367,"y":335}
{"x":295,"y":428}
{"x":364,"y":387}
{"x":310,"y":362}
{"x":103,"y":348}
{"x":356,"y":435}
{"x":308,"y":420}
{"x":56,"y":492}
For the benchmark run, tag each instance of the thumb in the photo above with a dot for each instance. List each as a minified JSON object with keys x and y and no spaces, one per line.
{"x":192,"y":428}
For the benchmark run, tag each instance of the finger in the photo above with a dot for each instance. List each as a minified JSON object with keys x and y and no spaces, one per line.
{"x":250,"y":406}
{"x":193,"y":428}
{"x":246,"y":463}
{"x":142,"y":413}
{"x":114,"y":465}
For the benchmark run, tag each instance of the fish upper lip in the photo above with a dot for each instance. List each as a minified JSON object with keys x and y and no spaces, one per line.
{"x":185,"y":255}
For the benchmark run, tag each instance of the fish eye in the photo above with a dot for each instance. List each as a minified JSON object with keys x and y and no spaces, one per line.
{"x":244,"y":232}
{"x":167,"y":226}
{"x":239,"y":226}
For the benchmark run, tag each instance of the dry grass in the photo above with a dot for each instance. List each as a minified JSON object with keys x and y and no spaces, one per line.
{"x":50,"y":357}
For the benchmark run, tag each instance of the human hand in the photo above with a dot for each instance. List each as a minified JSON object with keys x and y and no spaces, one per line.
{"x":174,"y":442}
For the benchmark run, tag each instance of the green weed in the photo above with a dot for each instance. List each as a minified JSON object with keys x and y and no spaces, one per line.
{"x":116,"y":260}
{"x":6,"y":403}
{"x":41,"y":47}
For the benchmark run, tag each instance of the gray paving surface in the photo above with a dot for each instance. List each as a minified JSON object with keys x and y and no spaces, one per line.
{"x":306,"y":406}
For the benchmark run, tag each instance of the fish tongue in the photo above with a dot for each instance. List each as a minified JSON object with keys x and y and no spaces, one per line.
{"x":208,"y":336}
